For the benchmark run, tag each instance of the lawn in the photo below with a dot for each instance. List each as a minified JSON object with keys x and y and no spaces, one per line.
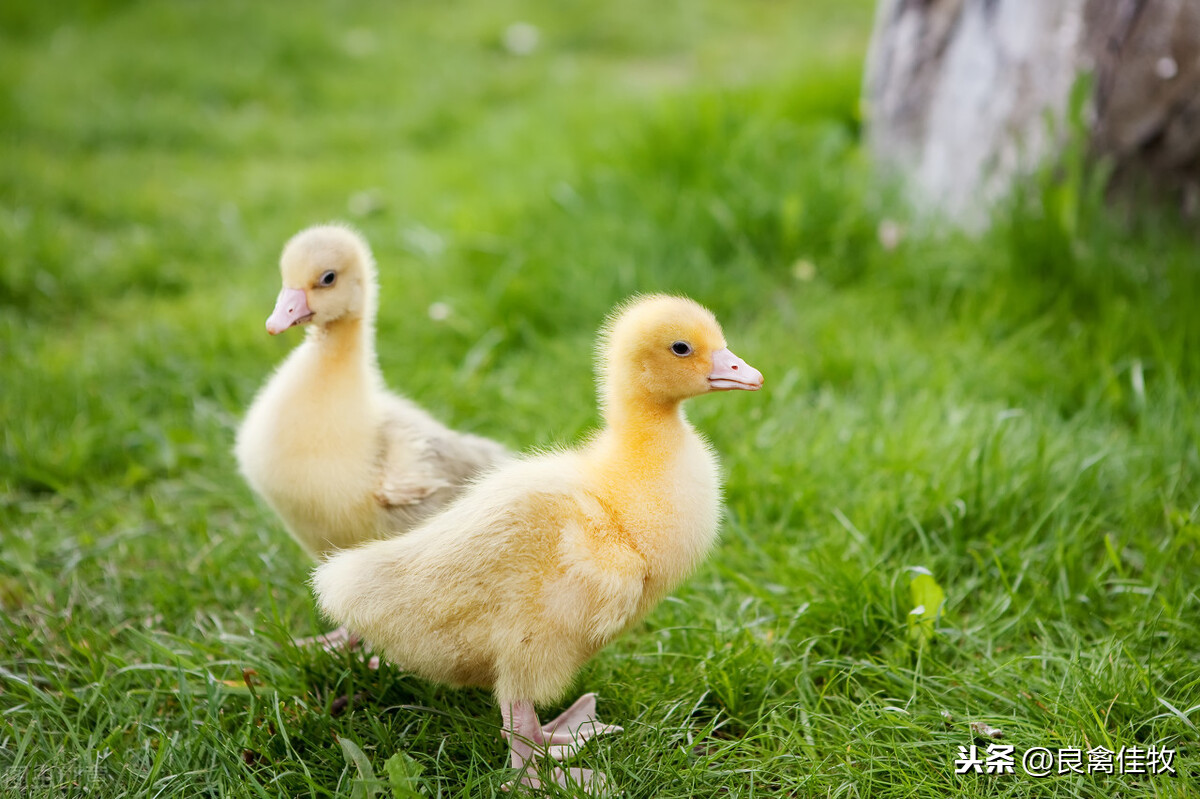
{"x":1010,"y":420}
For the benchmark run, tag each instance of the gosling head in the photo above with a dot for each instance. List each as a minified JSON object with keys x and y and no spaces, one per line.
{"x":328,"y":275}
{"x":662,"y":350}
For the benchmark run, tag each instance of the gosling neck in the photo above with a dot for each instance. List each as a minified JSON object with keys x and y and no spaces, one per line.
{"x":345,"y":341}
{"x":642,"y":433}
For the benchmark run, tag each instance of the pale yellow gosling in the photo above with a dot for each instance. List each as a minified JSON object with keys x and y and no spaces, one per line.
{"x":337,"y":456}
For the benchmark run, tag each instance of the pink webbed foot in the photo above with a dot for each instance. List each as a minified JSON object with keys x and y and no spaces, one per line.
{"x":570,"y":730}
{"x":332,"y":641}
{"x":558,"y":739}
{"x":339,"y":639}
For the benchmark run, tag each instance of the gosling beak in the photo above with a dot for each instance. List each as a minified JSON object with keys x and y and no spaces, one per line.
{"x":730,"y":372}
{"x":290,"y":309}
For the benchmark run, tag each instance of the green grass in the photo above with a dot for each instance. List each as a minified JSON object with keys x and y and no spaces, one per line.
{"x":1017,"y":413}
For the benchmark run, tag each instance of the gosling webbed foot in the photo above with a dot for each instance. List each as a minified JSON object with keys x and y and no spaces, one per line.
{"x":333,"y":641}
{"x":529,"y":740}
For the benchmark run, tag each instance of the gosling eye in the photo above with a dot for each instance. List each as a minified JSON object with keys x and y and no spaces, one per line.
{"x":681,"y":348}
{"x":327,"y":279}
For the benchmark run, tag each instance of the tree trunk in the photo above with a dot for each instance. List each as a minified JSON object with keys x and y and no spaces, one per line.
{"x":963,"y":96}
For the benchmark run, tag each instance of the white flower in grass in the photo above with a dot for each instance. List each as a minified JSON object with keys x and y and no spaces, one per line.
{"x":890,"y":234}
{"x":521,"y":38}
{"x":360,"y":43}
{"x":365,"y":203}
{"x":804,"y":270}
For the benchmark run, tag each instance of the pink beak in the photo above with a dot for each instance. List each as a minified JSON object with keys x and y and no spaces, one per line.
{"x":730,"y":372}
{"x":290,"y":309}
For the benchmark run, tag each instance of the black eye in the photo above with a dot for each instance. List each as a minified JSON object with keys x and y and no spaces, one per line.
{"x":328,"y":278}
{"x":681,"y":348}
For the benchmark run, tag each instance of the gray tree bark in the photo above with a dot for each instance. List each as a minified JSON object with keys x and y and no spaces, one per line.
{"x":964,"y":96}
